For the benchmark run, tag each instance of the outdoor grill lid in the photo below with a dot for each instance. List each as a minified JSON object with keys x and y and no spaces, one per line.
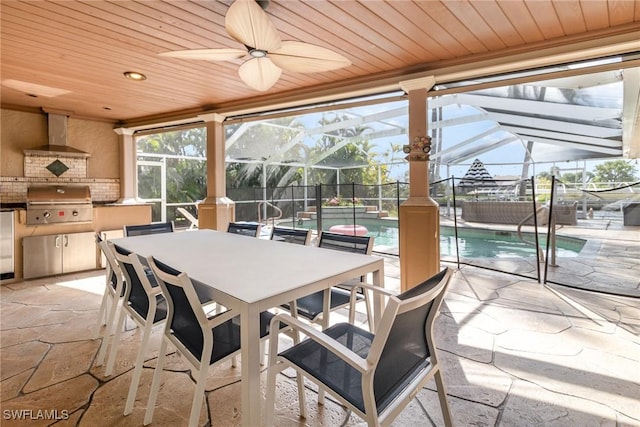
{"x":53,"y":194}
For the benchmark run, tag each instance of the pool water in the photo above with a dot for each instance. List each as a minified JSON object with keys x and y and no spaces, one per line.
{"x":472,"y":242}
{"x":501,"y":244}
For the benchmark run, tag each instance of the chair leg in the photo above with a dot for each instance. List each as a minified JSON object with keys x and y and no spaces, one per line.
{"x":293,"y":306}
{"x":301,"y":396}
{"x":320,"y":395}
{"x":155,"y":384}
{"x":369,"y":312}
{"x":199,"y":395}
{"x":111,"y":317}
{"x":114,"y":345}
{"x":442,"y":396}
{"x":137,"y":371}
{"x":102,"y":313}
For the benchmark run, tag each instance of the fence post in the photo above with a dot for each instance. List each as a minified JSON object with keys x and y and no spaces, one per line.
{"x":398,"y":204}
{"x":455,"y":219}
{"x":353,"y":205}
{"x":550,"y":227}
{"x":535,"y":225}
{"x":379,"y":187}
{"x":319,"y":206}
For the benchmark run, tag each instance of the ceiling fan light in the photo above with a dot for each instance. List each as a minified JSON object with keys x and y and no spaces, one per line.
{"x":257,"y":53}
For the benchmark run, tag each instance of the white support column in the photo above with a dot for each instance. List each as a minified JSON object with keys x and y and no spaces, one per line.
{"x":128,"y":171}
{"x":216,"y":211}
{"x":419,"y":215}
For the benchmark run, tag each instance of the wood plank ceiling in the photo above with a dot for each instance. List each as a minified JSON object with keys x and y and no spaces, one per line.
{"x":71,"y":55}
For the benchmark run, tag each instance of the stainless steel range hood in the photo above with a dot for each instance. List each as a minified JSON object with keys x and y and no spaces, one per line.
{"x":57,"y":130}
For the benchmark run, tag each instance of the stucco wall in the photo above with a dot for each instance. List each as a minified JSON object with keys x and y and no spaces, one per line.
{"x":19,"y":130}
{"x":98,"y":139}
{"x":22,"y":130}
{"x":27,"y":130}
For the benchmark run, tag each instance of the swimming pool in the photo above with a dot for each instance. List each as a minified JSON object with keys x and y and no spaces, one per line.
{"x":472,"y":242}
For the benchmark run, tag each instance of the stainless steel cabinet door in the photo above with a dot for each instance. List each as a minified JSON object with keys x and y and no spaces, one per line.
{"x":6,"y":245}
{"x":79,"y":252}
{"x":41,"y":256}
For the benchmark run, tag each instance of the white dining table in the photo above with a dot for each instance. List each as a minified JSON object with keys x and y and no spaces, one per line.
{"x":252,"y":275}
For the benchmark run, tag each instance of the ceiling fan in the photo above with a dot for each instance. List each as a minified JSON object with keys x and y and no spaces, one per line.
{"x":247,"y":23}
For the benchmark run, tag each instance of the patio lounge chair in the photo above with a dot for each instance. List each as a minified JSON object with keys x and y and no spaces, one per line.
{"x":192,"y":219}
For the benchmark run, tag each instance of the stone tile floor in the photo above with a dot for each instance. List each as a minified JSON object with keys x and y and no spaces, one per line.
{"x":514,"y":352}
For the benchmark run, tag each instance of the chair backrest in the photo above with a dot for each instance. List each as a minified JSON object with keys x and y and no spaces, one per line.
{"x":346,"y":243}
{"x":192,"y":219}
{"x":291,"y":235}
{"x":244,"y":228}
{"x":406,"y":335}
{"x":153,"y":228}
{"x":138,"y":292}
{"x":114,"y":273}
{"x":185,"y":317}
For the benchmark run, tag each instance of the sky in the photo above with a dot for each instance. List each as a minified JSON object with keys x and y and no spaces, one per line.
{"x":387,"y":125}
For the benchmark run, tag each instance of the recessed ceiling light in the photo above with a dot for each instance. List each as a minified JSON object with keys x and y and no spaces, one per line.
{"x":134,"y":75}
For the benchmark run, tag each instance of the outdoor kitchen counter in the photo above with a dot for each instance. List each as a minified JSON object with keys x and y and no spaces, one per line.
{"x":106,"y":217}
{"x":114,"y":216}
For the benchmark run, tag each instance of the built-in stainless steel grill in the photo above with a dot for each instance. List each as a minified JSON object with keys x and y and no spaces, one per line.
{"x":55,"y":204}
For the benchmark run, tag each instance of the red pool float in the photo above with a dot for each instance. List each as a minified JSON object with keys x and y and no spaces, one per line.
{"x":351,"y":230}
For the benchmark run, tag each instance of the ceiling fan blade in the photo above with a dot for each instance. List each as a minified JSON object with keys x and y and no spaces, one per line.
{"x":250,"y":25}
{"x":307,"y":58}
{"x":259,"y":73}
{"x":206,"y":54}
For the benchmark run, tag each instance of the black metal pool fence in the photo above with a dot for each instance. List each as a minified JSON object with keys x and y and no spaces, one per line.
{"x":512,"y":226}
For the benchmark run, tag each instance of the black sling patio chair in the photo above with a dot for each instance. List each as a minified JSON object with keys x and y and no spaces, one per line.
{"x":152,"y":228}
{"x":202,"y":340}
{"x":244,"y":229}
{"x":311,"y":306}
{"x":145,"y":304}
{"x":374,"y":374}
{"x":112,"y":298}
{"x":297,"y":236}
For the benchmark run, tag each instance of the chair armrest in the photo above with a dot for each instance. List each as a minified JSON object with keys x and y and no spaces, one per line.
{"x":353,"y":299}
{"x":376,"y":289}
{"x":220,"y":318}
{"x":326,"y":341}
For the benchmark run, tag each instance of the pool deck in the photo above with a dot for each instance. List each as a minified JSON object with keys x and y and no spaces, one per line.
{"x":609,"y":261}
